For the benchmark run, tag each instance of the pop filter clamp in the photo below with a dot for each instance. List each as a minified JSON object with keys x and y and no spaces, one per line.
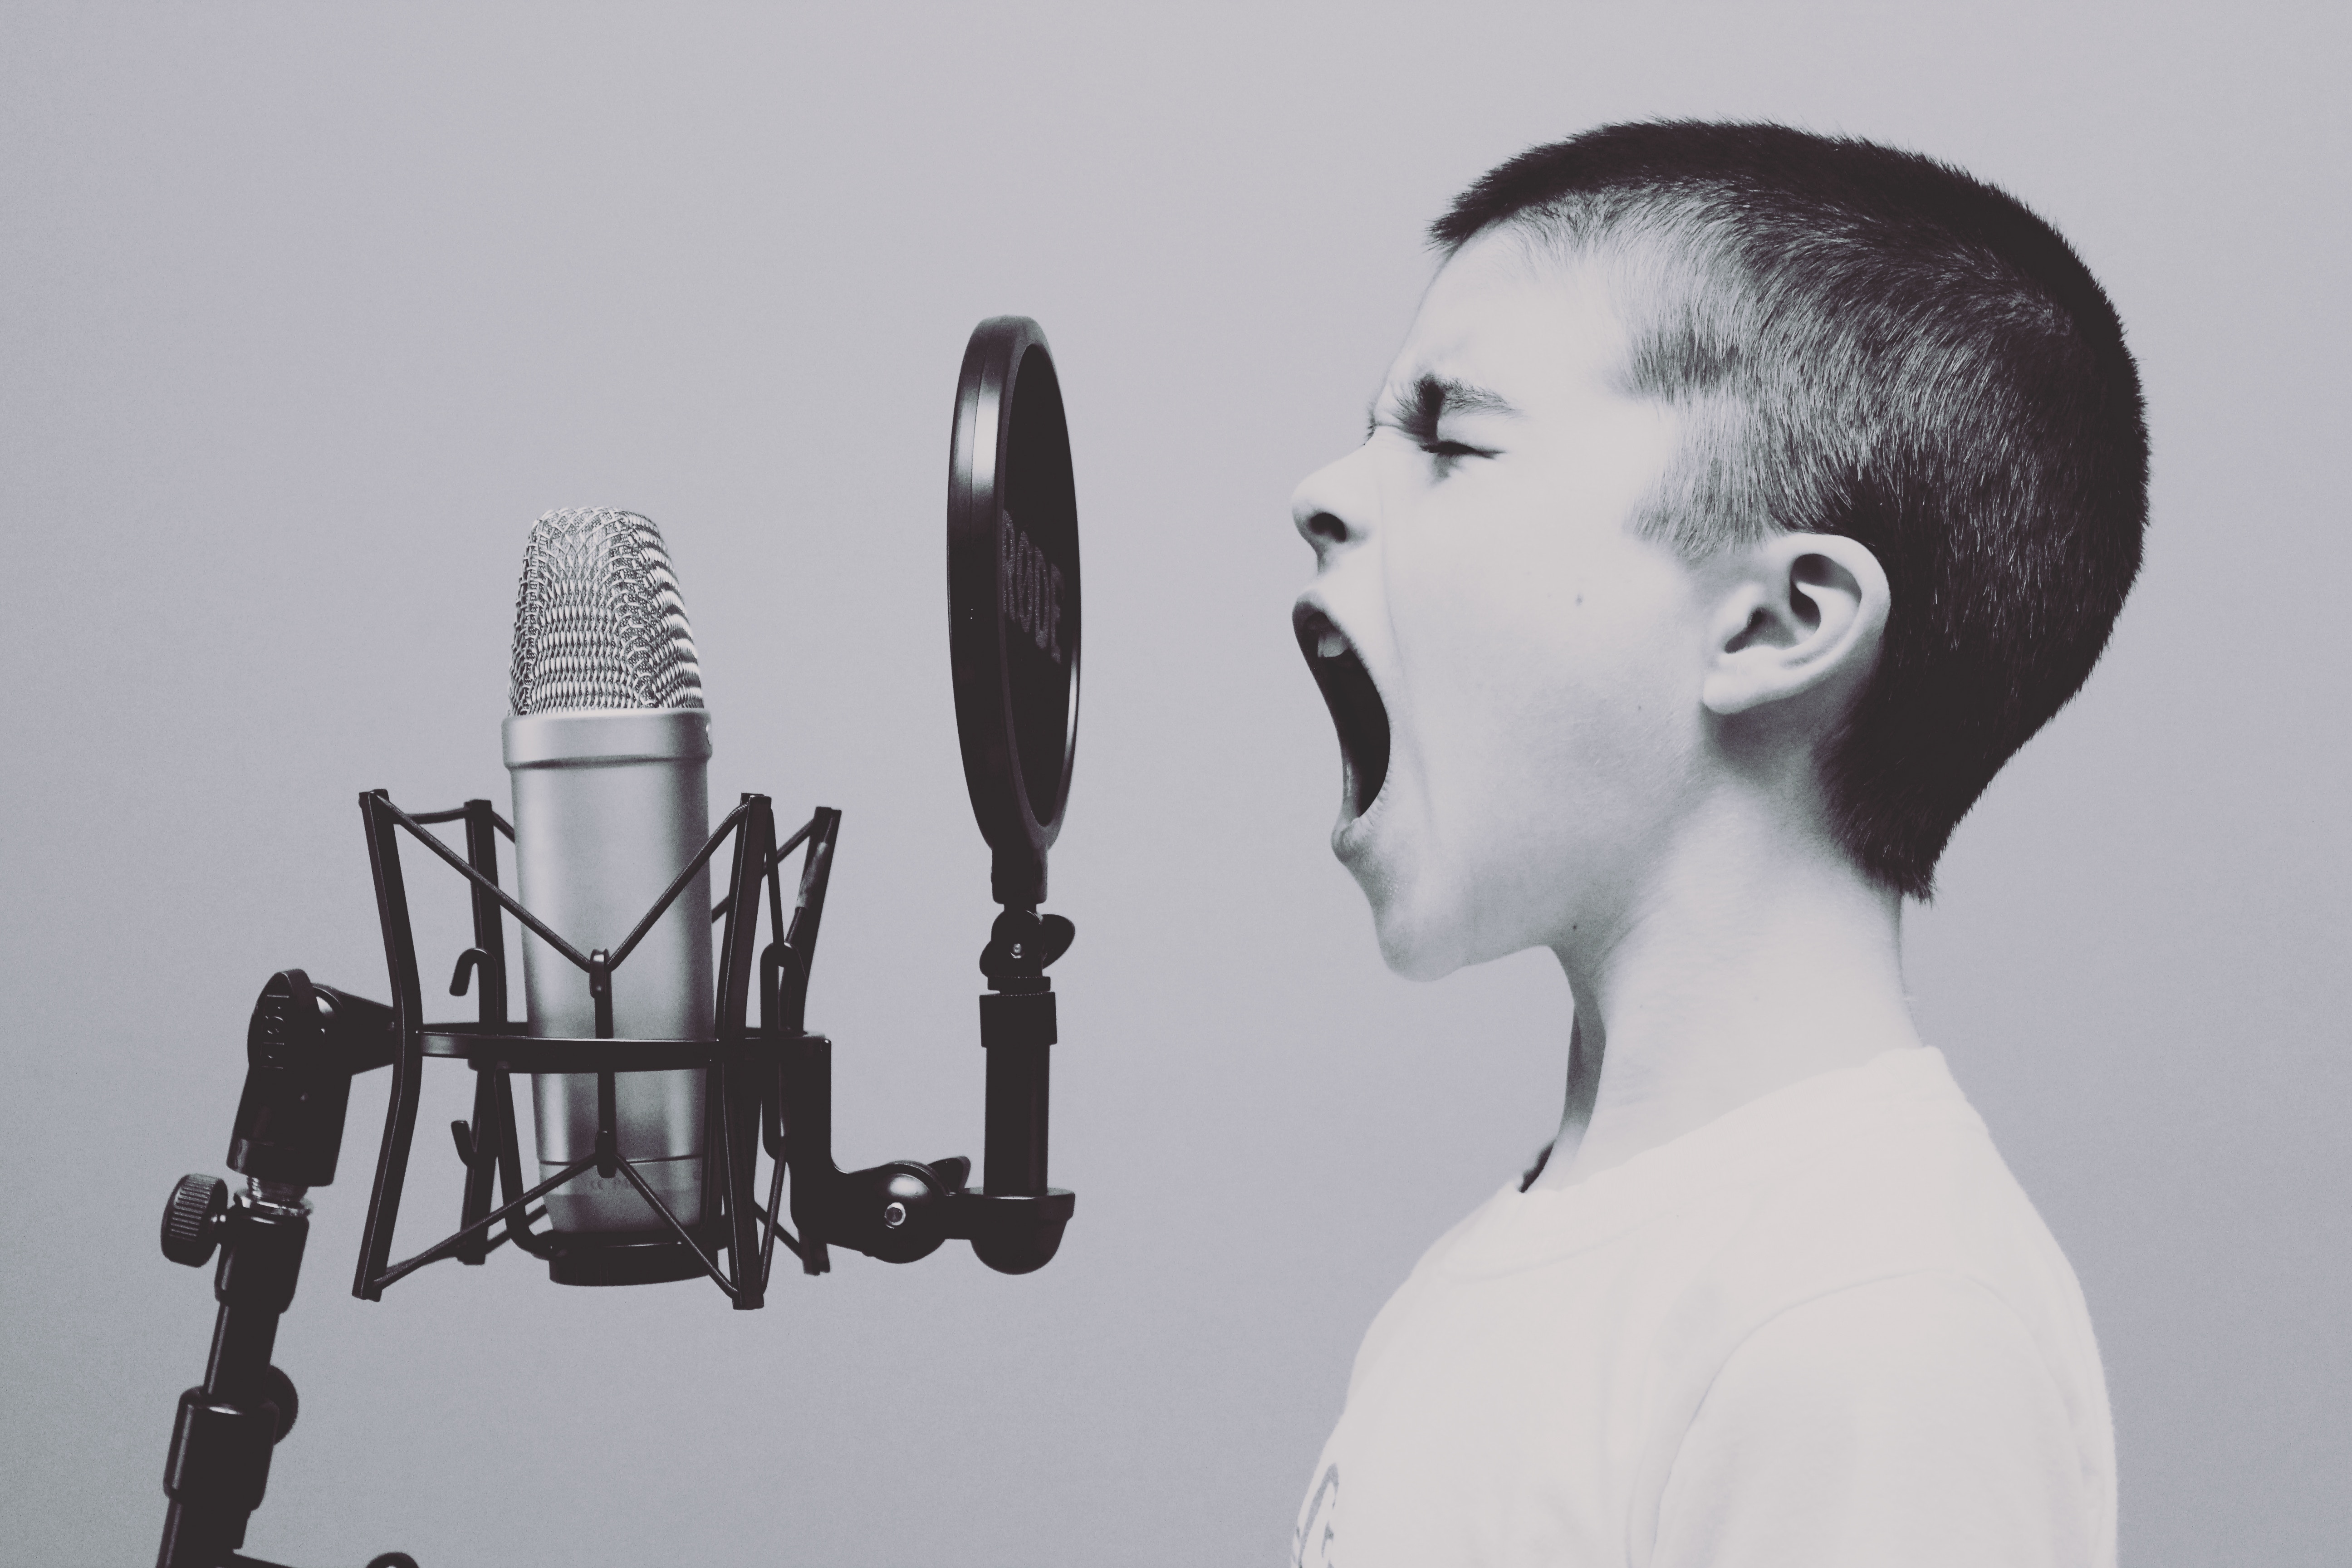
{"x":1014,"y":615}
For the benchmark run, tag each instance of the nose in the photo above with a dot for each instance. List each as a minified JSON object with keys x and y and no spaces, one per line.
{"x":1336,"y":506}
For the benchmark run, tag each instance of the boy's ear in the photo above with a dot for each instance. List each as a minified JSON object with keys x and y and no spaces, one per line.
{"x":1798,"y":612}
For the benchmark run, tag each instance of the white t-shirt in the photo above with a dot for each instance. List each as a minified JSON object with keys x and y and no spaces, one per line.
{"x":1825,"y":1331}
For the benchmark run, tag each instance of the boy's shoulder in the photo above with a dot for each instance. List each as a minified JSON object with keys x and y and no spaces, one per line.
{"x":1849,"y":1227}
{"x":1887,"y":1281}
{"x":1873,"y":1171}
{"x":1863,"y":1172}
{"x":1870,"y":1173}
{"x":1858,"y":1179}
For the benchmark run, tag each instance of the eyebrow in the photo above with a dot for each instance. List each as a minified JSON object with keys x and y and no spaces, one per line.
{"x":1432,"y":398}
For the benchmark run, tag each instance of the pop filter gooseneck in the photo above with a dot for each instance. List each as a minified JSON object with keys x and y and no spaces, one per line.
{"x":1013,"y":598}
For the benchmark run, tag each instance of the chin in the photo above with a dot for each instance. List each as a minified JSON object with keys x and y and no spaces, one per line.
{"x":1417,"y":942}
{"x":1431,"y":926}
{"x":1418,"y":912}
{"x":1412,"y":959}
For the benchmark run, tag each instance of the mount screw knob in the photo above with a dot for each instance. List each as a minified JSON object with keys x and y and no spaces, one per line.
{"x":192,"y":1219}
{"x":278,"y":1389}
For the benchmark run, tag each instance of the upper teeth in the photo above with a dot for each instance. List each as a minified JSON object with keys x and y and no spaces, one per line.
{"x":1331,"y":645}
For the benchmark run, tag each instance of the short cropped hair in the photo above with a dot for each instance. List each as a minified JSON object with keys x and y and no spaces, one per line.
{"x":1869,"y":342}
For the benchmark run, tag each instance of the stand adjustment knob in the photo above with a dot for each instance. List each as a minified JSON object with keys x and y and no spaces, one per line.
{"x":278,"y":1390}
{"x":192,"y":1219}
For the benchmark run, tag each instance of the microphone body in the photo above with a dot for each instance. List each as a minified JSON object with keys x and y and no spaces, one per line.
{"x":609,"y":750}
{"x":608,"y":806}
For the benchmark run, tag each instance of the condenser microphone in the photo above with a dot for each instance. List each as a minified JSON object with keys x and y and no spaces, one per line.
{"x":609,"y":748}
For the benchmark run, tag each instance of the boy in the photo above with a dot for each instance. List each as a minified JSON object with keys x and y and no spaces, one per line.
{"x":1740,"y":500}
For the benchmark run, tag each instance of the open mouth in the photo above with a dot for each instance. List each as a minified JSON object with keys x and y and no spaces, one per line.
{"x":1357,"y":712}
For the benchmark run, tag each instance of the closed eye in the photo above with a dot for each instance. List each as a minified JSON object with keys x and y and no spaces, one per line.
{"x":1444,"y":450}
{"x":1416,"y":412}
{"x":1446,"y":454}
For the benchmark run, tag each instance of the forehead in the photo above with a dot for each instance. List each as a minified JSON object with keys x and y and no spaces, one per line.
{"x":1508,"y":314}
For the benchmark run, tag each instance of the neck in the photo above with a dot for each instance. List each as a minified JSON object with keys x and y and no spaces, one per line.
{"x":1753,"y":959}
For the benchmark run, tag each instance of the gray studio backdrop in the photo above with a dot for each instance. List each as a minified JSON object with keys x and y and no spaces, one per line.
{"x":307,"y":311}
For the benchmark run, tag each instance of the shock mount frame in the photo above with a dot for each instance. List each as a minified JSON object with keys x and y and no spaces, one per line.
{"x":773,"y":1089}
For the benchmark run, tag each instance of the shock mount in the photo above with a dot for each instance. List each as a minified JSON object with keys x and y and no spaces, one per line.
{"x":773,"y":1082}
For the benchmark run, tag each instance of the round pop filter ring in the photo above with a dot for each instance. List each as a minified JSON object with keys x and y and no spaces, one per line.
{"x":1013,"y":627}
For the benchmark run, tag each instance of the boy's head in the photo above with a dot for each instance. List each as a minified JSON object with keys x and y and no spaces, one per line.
{"x":1674,"y":373}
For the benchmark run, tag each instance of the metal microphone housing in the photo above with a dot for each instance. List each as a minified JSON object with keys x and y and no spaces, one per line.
{"x":609,"y":750}
{"x":631,"y":786}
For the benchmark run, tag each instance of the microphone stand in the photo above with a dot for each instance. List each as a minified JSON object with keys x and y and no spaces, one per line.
{"x":774,"y":1086}
{"x":303,"y":1048}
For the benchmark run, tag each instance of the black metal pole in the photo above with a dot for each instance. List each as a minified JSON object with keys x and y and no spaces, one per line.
{"x":1019,"y":1088}
{"x":1018,"y":1027}
{"x":221,"y":1442}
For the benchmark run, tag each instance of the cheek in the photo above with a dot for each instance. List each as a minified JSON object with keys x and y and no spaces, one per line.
{"x":1475,"y":632}
{"x":1573,"y":729}
{"x":1628,"y":711}
{"x":1524,"y":668}
{"x":1545,"y":713}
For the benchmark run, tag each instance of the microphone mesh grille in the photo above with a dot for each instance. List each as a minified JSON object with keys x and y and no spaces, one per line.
{"x":598,"y":619}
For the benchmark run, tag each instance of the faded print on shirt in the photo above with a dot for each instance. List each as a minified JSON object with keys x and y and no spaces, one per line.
{"x":1318,"y":1528}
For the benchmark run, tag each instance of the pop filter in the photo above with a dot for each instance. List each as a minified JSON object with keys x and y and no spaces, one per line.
{"x":1013,"y":598}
